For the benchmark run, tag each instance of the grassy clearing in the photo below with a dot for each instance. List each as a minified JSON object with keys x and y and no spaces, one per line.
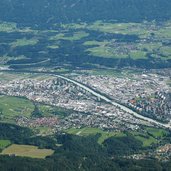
{"x":114,"y":72}
{"x":135,"y":50}
{"x":4,"y":143}
{"x":27,"y":151}
{"x":12,"y":27}
{"x":95,"y":43}
{"x":44,"y":130}
{"x":148,"y":137}
{"x":15,"y":106}
{"x":106,"y":72}
{"x":74,"y":26}
{"x":60,"y":70}
{"x":47,"y":110}
{"x":164,"y":32}
{"x":10,"y":76}
{"x":118,"y":28}
{"x":53,"y":47}
{"x":108,"y":50}
{"x":138,"y":54}
{"x":4,"y":59}
{"x":156,"y":132}
{"x":76,"y":36}
{"x":169,"y":83}
{"x":92,"y":131}
{"x":24,"y":42}
{"x":8,"y":27}
{"x":166,"y":51}
{"x":101,"y":51}
{"x":144,"y":138}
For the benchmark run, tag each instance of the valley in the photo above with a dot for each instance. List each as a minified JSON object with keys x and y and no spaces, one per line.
{"x":85,"y":85}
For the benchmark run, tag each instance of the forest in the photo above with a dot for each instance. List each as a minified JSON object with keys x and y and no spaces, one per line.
{"x":77,"y":152}
{"x":43,"y":12}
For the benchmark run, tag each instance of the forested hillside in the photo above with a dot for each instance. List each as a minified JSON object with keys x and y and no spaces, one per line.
{"x":45,"y":11}
{"x":78,"y":153}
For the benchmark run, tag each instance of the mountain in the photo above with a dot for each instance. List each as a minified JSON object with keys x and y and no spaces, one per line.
{"x":47,"y":11}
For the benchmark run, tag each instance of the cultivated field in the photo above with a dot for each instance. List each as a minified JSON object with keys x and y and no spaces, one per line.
{"x":27,"y":151}
{"x":15,"y":106}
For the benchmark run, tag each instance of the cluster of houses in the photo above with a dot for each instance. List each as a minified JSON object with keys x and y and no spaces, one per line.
{"x":157,"y":105}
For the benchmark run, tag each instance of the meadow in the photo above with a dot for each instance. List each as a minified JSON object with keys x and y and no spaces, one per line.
{"x":76,"y":42}
{"x":24,"y":42}
{"x":149,"y":137}
{"x":27,"y":151}
{"x":4,"y":143}
{"x":93,"y":131}
{"x":7,"y":27}
{"x":75,"y":36}
{"x":11,"y":107}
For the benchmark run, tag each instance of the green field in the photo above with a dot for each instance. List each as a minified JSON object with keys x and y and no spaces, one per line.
{"x":135,"y":50}
{"x":144,"y":138}
{"x":24,"y":42}
{"x":92,"y":131}
{"x":4,"y":59}
{"x":27,"y":151}
{"x":4,"y":76}
{"x":148,"y":137}
{"x":15,"y":106}
{"x":76,"y":36}
{"x":47,"y":110}
{"x":113,"y":72}
{"x":119,"y":28}
{"x":156,"y":132}
{"x":107,"y":50}
{"x":8,"y":27}
{"x":54,"y":46}
{"x":106,"y":72}
{"x":4,"y":143}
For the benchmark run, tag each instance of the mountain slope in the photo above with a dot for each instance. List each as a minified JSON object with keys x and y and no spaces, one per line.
{"x":45,"y":11}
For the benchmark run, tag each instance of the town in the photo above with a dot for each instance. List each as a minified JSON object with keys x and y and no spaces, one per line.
{"x":147,"y":93}
{"x":90,"y":110}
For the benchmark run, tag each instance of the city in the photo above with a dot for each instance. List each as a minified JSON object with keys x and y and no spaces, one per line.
{"x":90,"y":110}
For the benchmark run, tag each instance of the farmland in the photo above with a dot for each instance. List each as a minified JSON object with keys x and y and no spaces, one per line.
{"x":147,"y":35}
{"x":92,"y":43}
{"x":27,"y":151}
{"x":15,"y":106}
{"x":75,"y":36}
